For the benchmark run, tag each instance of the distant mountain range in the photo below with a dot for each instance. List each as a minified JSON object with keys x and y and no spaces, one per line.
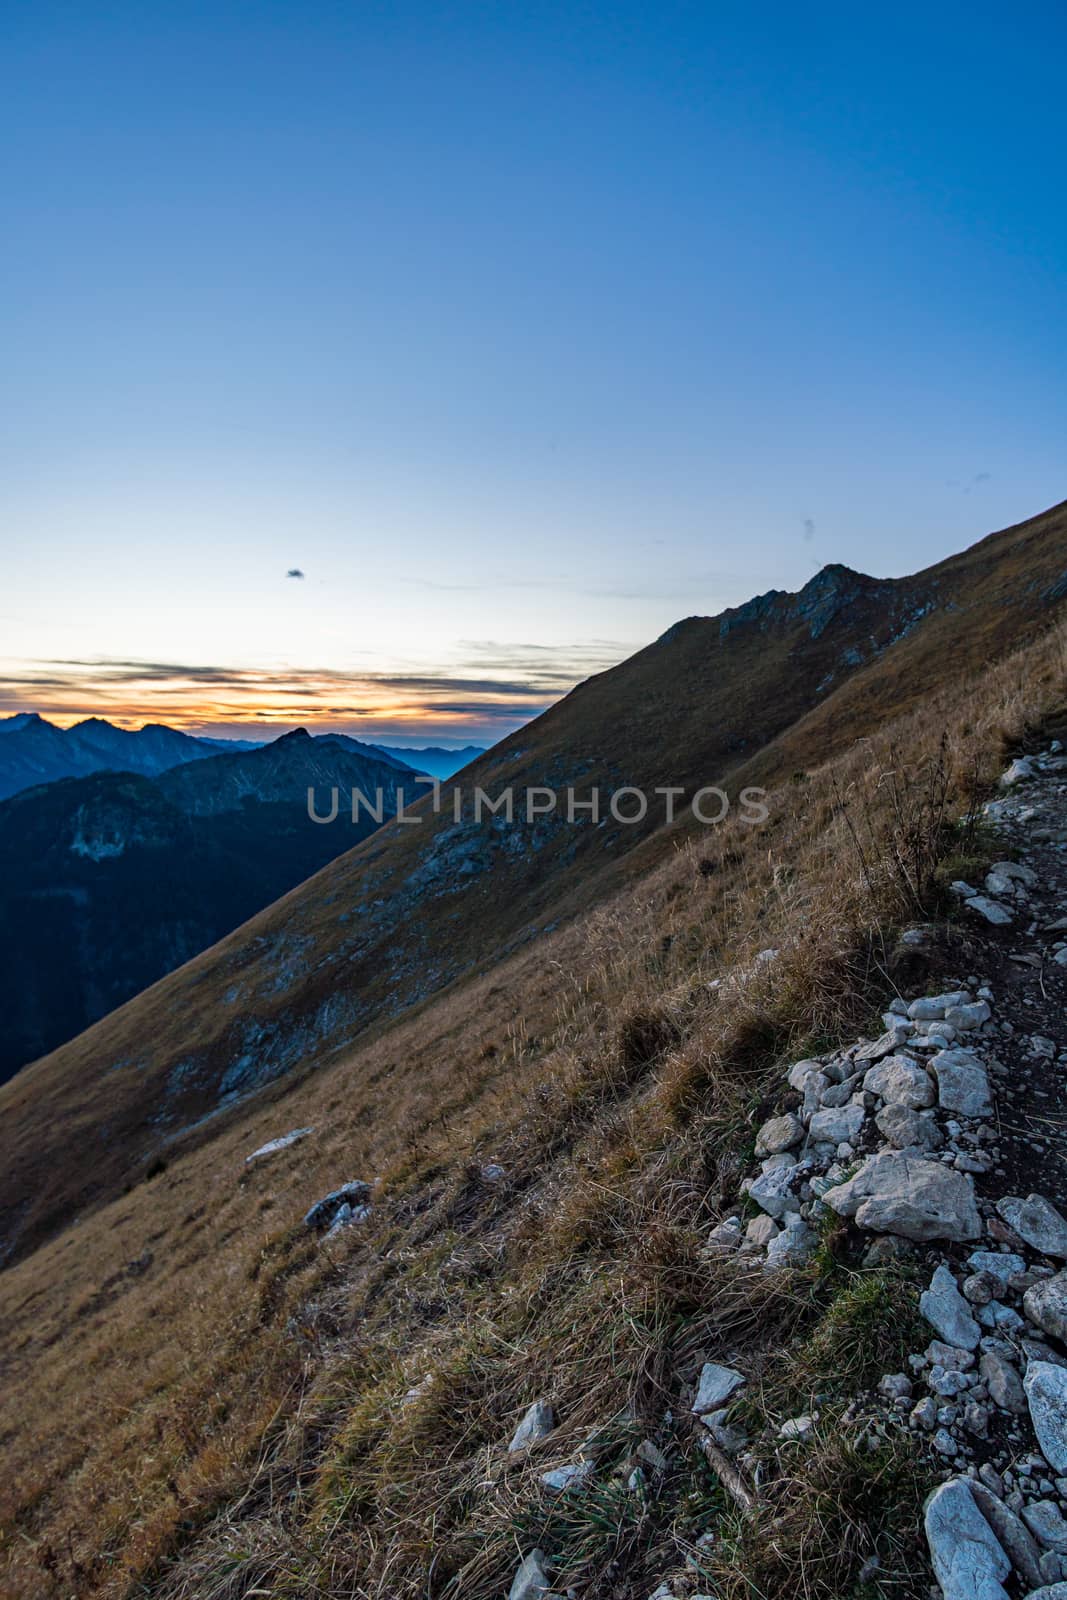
{"x":34,"y":751}
{"x":438,"y":762}
{"x":109,"y":881}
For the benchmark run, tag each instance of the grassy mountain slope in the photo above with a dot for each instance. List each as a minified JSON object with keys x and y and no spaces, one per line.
{"x":202,"y":1401}
{"x":418,"y":908}
{"x":756,"y":694}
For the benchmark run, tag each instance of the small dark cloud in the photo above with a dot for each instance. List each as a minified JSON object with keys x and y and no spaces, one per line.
{"x":809,"y":530}
{"x":294,"y":572}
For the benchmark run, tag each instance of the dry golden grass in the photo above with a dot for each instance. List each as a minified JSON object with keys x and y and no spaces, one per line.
{"x":199,"y":1401}
{"x":340,"y":958}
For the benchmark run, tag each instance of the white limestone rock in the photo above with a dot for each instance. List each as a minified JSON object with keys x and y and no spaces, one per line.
{"x":968,"y":1559}
{"x":1046,"y":1395}
{"x":947,"y":1311}
{"x":897,"y":1192}
{"x":1036,"y":1222}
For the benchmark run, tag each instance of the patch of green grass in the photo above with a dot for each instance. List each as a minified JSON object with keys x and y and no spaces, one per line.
{"x":843,"y":1506}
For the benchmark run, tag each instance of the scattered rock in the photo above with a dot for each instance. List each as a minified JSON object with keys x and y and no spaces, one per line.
{"x":792,"y":1245}
{"x":274,"y":1145}
{"x":1013,"y":1536}
{"x":1003,"y":1382}
{"x":896,"y":1034}
{"x":968,"y":1559}
{"x":761,"y":1230}
{"x":780,"y":1133}
{"x":531,"y":1582}
{"x":1037,"y":1222}
{"x":1020,"y":770}
{"x":773,"y":1191}
{"x":837,"y":1124}
{"x":562,"y":1480}
{"x":947,"y":1311}
{"x":1046,"y":1395}
{"x":716,"y":1385}
{"x":901,"y":1082}
{"x":905,"y":1129}
{"x":652,"y":1456}
{"x":728,"y":1436}
{"x":344,"y":1217}
{"x":998,"y":1265}
{"x":1046,"y":1305}
{"x":324,"y":1211}
{"x":536,"y":1425}
{"x":991,"y":910}
{"x":797,"y":1428}
{"x":726,"y":1236}
{"x":1045,"y":1521}
{"x":962,"y":1083}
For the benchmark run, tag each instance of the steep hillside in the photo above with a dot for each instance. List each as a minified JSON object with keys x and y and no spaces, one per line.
{"x":109,"y":882}
{"x":207,"y":1396}
{"x":761,"y":691}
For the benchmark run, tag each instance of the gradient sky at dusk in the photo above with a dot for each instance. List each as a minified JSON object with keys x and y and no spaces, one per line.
{"x":520,"y":330}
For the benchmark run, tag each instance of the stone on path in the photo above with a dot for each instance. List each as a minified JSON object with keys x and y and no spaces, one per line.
{"x":947,"y":1311}
{"x":968,"y":1559}
{"x":1045,"y":1303}
{"x":1036,"y":1222}
{"x":1046,"y":1395}
{"x":896,"y":1192}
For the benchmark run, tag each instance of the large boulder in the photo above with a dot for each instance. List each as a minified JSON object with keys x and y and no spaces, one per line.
{"x":968,"y":1559}
{"x":897,"y":1192}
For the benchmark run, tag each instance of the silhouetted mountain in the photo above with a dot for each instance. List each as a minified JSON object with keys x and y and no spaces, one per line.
{"x":107,"y":882}
{"x":35,"y":751}
{"x":282,"y":772}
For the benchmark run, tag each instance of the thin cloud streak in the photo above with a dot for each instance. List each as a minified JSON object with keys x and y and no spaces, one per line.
{"x":510,"y":685}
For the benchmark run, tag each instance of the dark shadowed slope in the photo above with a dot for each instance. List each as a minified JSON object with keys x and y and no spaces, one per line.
{"x":111,"y":881}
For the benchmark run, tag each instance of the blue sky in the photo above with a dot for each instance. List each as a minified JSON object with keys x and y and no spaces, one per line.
{"x":519,"y":330}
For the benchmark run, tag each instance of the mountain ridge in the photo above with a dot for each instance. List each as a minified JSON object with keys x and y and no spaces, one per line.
{"x":417,"y":908}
